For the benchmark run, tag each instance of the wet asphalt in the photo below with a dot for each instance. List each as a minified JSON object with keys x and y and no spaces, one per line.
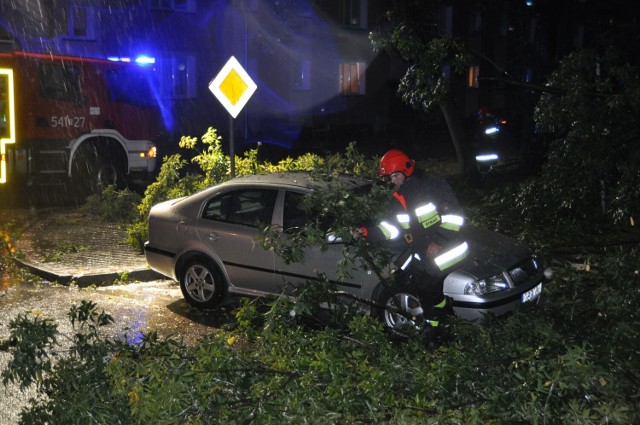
{"x":61,"y":257}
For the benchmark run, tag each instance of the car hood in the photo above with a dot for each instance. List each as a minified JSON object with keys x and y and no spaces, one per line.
{"x":491,"y":253}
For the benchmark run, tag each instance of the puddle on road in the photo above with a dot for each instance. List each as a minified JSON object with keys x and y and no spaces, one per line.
{"x":158,"y":306}
{"x":137,"y":308}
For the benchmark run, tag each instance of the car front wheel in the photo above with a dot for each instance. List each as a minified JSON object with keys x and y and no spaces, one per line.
{"x":403,"y":314}
{"x":202,"y":284}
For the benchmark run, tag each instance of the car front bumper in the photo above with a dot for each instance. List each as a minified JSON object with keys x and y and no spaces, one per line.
{"x":475,"y":308}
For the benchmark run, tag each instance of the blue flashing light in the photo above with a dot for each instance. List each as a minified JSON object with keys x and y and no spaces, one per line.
{"x":145,"y":60}
{"x":529,"y":3}
{"x":140,"y":60}
{"x":119,"y":59}
{"x":491,"y":130}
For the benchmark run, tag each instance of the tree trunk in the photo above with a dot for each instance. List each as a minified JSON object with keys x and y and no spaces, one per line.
{"x":462,"y":144}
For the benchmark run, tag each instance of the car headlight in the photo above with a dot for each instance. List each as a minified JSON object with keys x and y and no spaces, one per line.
{"x":486,"y":286}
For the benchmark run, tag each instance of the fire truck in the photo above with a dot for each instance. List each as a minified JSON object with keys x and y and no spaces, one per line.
{"x":70,"y":120}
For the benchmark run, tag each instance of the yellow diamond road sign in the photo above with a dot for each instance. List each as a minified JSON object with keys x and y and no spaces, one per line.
{"x":233,"y":87}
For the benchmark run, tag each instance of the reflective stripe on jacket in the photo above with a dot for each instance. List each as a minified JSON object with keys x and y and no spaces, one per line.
{"x":427,"y":215}
{"x":389,"y":231}
{"x":452,"y":256}
{"x":445,"y":260}
{"x":452,"y":222}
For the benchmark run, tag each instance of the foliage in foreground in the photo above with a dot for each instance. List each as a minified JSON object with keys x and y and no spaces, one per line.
{"x":571,"y":360}
{"x":594,"y":143}
{"x":6,"y":248}
{"x":113,"y":205}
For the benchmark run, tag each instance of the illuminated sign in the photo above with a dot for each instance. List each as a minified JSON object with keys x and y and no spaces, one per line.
{"x":233,"y":87}
{"x":7,"y":119}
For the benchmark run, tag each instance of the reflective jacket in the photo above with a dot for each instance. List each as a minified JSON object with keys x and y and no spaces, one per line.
{"x":425,"y":211}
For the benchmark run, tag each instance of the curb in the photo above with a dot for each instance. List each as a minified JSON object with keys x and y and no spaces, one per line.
{"x":84,"y":280}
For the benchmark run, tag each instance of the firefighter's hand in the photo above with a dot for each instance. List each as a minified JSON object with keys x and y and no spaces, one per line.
{"x":433,"y":249}
{"x":360,"y":233}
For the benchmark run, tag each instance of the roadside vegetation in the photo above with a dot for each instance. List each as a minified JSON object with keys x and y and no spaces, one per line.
{"x":571,"y":359}
{"x":6,"y":249}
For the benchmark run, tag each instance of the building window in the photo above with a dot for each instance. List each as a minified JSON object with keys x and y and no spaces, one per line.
{"x":80,"y":21}
{"x":528,"y":75}
{"x":60,"y":81}
{"x":504,"y":26}
{"x":251,"y":5}
{"x":303,"y":9}
{"x":354,"y":13}
{"x":174,"y":5}
{"x":302,"y":75}
{"x":476,"y":21}
{"x":532,"y":27}
{"x":177,"y":76}
{"x":5,"y":35}
{"x":474,"y":72}
{"x":446,"y":20}
{"x":352,"y":81}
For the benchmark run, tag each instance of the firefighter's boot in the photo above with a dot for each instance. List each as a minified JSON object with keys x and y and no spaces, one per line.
{"x":437,"y":320}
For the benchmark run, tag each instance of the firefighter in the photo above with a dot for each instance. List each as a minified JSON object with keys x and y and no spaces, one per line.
{"x":426,"y":212}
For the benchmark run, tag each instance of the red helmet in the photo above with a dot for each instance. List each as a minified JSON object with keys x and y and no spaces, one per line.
{"x":396,"y":161}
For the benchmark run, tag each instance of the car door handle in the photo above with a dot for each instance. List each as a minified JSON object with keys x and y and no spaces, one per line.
{"x":213,"y":236}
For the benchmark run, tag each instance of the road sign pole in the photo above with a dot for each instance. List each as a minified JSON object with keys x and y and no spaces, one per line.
{"x":232,"y":153}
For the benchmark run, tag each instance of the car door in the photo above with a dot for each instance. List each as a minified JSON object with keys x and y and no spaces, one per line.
{"x":289,"y":275}
{"x":228,"y":225}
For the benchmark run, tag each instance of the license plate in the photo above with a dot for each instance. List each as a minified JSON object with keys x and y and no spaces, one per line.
{"x":532,"y":294}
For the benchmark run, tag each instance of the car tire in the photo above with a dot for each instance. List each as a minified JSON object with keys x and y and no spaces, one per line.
{"x":202,"y":284}
{"x":403,"y":314}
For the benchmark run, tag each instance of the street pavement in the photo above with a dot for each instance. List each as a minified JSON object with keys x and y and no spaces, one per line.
{"x":67,"y":245}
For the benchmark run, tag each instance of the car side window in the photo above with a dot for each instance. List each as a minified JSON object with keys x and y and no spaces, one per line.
{"x":248,"y":207}
{"x":293,"y":215}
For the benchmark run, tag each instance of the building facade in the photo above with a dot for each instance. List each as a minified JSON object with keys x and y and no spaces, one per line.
{"x":320,"y":85}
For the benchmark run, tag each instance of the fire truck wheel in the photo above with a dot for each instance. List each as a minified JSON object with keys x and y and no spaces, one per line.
{"x":93,"y":171}
{"x":106,"y":175}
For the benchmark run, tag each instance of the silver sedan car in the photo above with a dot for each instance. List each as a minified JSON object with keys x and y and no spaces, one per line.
{"x":207,"y":242}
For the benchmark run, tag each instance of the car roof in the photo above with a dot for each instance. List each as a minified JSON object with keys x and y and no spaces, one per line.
{"x":289,"y":180}
{"x":297,"y":180}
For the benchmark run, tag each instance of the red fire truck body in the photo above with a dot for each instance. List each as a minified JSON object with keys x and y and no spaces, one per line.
{"x":89,"y":121}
